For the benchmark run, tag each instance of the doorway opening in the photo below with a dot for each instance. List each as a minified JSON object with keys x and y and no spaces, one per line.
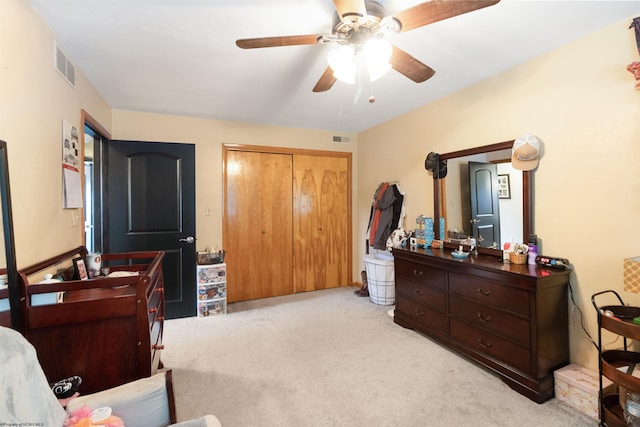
{"x":94,"y":138}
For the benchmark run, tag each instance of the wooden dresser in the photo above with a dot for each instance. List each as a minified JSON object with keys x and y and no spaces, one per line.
{"x":512,"y":319}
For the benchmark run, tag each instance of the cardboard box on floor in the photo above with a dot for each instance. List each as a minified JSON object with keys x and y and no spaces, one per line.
{"x":579,"y":387}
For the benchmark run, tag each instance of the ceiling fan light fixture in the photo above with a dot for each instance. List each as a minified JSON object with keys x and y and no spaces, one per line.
{"x":356,"y":22}
{"x":377,"y":71}
{"x":377,"y":53}
{"x":346,"y":74}
{"x":342,"y":61}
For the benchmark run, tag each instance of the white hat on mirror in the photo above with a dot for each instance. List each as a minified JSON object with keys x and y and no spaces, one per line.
{"x":525,"y":153}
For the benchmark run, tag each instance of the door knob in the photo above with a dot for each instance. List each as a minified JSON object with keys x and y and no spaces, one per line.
{"x":188,"y":239}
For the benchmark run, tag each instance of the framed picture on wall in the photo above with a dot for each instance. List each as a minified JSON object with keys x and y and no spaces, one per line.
{"x":81,"y":269}
{"x":504,"y":187}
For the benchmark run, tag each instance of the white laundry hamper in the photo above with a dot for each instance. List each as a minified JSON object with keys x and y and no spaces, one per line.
{"x":380,"y":278}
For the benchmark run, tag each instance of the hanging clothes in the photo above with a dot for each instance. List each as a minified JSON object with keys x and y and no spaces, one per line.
{"x":374,"y":217}
{"x":386,"y":213}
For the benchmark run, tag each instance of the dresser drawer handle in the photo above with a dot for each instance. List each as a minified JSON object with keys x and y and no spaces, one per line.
{"x":418,"y":292}
{"x":482,"y":318}
{"x":484,"y":344}
{"x":418,"y":273}
{"x":419,"y":312}
{"x":483,"y":293}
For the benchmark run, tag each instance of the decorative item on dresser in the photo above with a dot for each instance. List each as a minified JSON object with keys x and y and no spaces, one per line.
{"x":512,"y":319}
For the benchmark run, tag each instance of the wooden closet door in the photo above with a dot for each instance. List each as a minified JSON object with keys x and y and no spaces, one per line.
{"x":320,"y":218}
{"x":258,"y":235}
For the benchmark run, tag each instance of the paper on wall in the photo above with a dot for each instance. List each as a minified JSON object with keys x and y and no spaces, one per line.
{"x":71,"y":183}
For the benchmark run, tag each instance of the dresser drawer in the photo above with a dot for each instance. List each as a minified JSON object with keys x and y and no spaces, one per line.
{"x":503,"y":324}
{"x":424,"y":295}
{"x":491,"y":345}
{"x":489,"y":293}
{"x":427,"y":318}
{"x":421,"y":274}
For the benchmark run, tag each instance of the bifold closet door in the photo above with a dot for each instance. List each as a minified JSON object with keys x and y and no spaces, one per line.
{"x":320,"y":222}
{"x":258,"y":237}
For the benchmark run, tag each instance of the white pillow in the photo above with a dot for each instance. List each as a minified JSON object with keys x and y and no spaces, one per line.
{"x":141,"y":403}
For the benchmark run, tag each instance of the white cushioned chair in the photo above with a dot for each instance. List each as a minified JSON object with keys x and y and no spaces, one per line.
{"x":28,"y":399}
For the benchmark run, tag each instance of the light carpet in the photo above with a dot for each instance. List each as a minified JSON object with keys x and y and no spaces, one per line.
{"x":330,"y":358}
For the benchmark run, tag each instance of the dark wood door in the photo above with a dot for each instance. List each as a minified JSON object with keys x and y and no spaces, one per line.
{"x":149,"y":204}
{"x":485,"y":210}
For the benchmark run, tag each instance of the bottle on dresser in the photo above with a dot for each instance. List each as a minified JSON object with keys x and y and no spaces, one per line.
{"x":533,"y":249}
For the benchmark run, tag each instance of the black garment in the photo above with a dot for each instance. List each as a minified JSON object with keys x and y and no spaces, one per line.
{"x":397,"y":208}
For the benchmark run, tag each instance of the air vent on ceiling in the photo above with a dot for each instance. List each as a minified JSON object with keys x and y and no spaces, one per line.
{"x":341,"y":139}
{"x":63,"y":65}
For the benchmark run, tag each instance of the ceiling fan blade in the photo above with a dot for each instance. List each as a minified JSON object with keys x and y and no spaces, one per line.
{"x":409,"y":66}
{"x":437,"y":10}
{"x":350,"y":10}
{"x":278,"y":41}
{"x":326,"y":81}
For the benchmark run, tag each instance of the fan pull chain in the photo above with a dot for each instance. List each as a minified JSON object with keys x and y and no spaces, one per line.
{"x":360,"y":71}
{"x":372,"y":98}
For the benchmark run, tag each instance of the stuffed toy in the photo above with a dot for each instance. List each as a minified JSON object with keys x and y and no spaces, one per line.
{"x":85,"y":417}
{"x":397,"y":238}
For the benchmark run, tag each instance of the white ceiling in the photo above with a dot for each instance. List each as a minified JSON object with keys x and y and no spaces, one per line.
{"x":179,"y":56}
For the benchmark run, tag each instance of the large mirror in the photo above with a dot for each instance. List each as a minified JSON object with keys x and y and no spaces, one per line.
{"x":9,"y":298}
{"x":510,"y":201}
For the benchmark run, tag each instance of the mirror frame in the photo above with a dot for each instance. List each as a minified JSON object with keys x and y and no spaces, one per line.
{"x":9,"y":242}
{"x":527,"y":192}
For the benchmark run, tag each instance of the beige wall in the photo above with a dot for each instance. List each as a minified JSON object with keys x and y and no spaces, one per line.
{"x":580,"y":101}
{"x":209,"y":137}
{"x":34,"y":99}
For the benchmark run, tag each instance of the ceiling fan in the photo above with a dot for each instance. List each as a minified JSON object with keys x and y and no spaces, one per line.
{"x":357,"y":22}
